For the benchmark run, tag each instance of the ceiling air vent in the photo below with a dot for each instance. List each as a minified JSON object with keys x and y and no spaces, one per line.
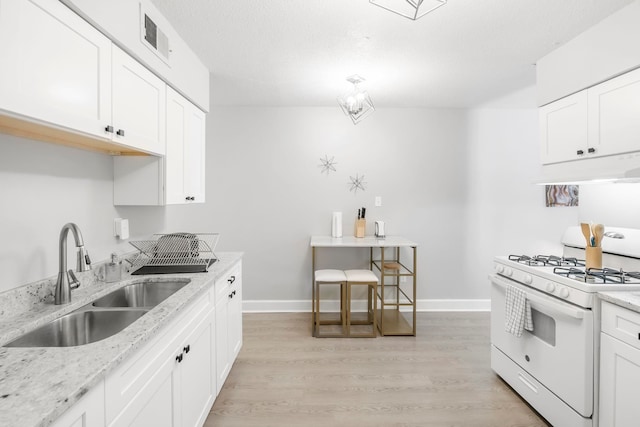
{"x":154,"y":38}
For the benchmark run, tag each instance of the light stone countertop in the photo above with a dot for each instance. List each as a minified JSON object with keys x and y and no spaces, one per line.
{"x":38,"y":384}
{"x":630,"y":300}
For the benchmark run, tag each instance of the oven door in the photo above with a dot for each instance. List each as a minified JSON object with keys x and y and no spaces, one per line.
{"x":558,"y":352}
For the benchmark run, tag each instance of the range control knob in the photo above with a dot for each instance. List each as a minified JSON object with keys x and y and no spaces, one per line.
{"x":499,"y":268}
{"x":528,"y":279}
{"x":508,"y":271}
{"x":551,"y":287}
{"x":564,"y":292}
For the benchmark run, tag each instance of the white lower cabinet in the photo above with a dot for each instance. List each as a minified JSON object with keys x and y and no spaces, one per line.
{"x":173,"y":380}
{"x":170,"y":382}
{"x":619,"y":367}
{"x":228,"y":322}
{"x":87,"y":412}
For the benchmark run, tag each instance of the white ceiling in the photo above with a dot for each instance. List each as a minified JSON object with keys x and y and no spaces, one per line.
{"x":299,"y":52}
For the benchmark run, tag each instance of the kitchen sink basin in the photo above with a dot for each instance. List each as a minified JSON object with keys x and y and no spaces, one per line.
{"x":79,"y":328}
{"x":144,"y":294}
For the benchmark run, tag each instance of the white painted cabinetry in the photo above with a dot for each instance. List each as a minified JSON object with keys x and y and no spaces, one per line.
{"x":176,"y":178}
{"x":138,"y":105}
{"x":87,"y":412}
{"x":619,"y":367}
{"x":185,"y":157}
{"x":59,"y":71}
{"x":56,"y":68}
{"x":123,"y":22}
{"x":599,"y":121}
{"x":614,"y":114}
{"x":228,"y":322}
{"x":563,"y":129}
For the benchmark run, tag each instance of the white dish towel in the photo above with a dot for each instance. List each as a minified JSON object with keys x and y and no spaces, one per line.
{"x":517,"y":312}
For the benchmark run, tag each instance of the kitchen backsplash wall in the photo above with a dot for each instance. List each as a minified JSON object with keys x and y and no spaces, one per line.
{"x":42,"y":187}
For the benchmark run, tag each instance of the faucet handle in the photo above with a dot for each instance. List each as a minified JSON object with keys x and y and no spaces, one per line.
{"x":74,"y":283}
{"x":84,"y":262}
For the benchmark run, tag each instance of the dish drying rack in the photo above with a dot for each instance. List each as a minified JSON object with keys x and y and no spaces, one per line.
{"x":174,"y":253}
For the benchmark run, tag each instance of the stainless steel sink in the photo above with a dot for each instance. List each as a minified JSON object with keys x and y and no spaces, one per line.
{"x":103,"y":318}
{"x":79,"y":328}
{"x":144,"y":294}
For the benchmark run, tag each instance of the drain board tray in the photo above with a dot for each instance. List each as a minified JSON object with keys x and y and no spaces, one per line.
{"x":172,"y":269}
{"x":174,"y":253}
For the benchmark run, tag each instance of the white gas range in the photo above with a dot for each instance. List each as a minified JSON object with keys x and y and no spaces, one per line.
{"x":554,"y":367}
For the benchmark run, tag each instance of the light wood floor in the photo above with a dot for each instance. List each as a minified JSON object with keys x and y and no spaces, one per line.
{"x":442,"y":377}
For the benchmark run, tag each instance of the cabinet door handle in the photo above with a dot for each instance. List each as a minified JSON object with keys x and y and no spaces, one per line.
{"x":120,"y":132}
{"x":231,"y":279}
{"x":179,"y":358}
{"x":187,"y":348}
{"x":591,"y":150}
{"x":580,"y":152}
{"x":109,"y":129}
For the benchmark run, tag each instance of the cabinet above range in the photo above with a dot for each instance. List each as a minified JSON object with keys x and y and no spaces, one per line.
{"x":595,"y":122}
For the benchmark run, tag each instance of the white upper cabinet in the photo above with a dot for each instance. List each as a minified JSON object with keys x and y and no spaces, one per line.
{"x":176,"y":178}
{"x":56,"y":68}
{"x":184,"y":162}
{"x":61,"y":80}
{"x":599,"y":121}
{"x":563,"y":129}
{"x":614,"y":114}
{"x":139,"y":100}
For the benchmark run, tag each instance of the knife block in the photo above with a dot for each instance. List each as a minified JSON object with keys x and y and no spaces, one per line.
{"x":593,"y":257}
{"x":361,"y":224}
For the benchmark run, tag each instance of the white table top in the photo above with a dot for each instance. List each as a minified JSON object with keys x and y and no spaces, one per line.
{"x":360,"y":242}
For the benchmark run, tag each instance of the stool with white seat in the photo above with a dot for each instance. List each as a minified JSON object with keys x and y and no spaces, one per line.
{"x":370,"y":280}
{"x":322,"y":278}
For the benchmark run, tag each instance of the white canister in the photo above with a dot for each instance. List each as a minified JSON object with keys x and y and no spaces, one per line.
{"x":336,"y":224}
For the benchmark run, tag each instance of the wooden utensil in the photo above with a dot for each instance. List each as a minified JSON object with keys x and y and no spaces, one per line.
{"x":598,"y":232}
{"x":586,"y":232}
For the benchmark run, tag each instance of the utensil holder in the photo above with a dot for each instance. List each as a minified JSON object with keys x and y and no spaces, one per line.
{"x":593,"y":257}
{"x":361,"y":224}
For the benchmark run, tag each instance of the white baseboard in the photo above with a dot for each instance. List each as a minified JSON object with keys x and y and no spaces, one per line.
{"x":301,"y":306}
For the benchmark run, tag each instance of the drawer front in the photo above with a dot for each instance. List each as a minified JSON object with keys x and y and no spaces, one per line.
{"x":123,"y":384}
{"x":224,"y":286}
{"x":621,"y":323}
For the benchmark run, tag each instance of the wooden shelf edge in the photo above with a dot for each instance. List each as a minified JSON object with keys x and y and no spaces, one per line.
{"x":40,"y":132}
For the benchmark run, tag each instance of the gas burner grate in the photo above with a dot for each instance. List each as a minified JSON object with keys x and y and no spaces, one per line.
{"x":525,"y":259}
{"x":547,"y":260}
{"x":599,"y":275}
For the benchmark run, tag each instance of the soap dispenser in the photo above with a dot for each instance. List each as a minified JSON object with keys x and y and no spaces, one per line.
{"x":113,"y":269}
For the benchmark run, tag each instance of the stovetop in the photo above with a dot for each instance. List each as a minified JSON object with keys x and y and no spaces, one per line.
{"x":575,"y":269}
{"x":564,"y":277}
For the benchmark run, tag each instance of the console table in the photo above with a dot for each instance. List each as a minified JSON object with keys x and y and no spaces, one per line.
{"x":396,"y":292}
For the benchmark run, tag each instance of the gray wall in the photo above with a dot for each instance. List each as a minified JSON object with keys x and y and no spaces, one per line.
{"x":458,"y":182}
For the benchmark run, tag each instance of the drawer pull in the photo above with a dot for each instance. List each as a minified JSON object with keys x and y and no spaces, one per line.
{"x":187,"y":348}
{"x":231,"y":279}
{"x":179,"y":358}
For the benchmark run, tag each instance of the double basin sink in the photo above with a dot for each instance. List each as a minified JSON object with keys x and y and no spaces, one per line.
{"x":102,"y":318}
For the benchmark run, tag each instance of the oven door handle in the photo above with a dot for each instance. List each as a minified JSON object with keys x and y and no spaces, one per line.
{"x":547,"y":302}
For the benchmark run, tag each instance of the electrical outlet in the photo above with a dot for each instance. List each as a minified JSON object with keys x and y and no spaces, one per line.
{"x":378,"y":201}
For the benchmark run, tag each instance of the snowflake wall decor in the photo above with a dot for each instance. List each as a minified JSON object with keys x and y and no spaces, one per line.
{"x":357,"y":183}
{"x":327,"y":164}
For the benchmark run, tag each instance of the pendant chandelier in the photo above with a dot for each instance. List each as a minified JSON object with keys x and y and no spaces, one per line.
{"x":412,"y":9}
{"x":356,"y":104}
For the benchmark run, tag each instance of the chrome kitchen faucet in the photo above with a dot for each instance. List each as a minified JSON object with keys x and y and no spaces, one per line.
{"x":66,"y":279}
